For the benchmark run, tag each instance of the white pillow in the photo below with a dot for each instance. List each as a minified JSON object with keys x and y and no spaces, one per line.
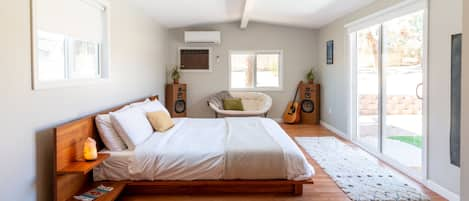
{"x":140,"y":103}
{"x":108,"y":134}
{"x":151,"y":106}
{"x":132,"y":126}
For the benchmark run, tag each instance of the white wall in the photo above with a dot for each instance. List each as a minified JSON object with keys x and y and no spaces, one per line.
{"x":465,"y":108}
{"x":299,"y":56}
{"x":445,"y":19}
{"x":26,"y":149}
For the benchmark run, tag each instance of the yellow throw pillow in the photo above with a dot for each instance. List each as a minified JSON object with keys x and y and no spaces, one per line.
{"x":160,"y":121}
{"x":233,"y":104}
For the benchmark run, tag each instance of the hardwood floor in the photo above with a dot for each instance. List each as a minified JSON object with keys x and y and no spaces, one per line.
{"x":324,"y":188}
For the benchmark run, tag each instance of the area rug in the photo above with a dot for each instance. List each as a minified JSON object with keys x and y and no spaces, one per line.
{"x":357,"y":173}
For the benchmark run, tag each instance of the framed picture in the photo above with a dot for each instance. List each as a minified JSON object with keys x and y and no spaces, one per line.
{"x":455,"y":132}
{"x":330,"y":52}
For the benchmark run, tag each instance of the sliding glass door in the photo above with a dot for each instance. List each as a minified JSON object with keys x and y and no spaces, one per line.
{"x":402,"y":89}
{"x":389,"y":72}
{"x":368,"y":82}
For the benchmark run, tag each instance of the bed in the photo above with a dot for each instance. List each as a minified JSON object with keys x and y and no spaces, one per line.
{"x":197,"y":149}
{"x":228,"y":155}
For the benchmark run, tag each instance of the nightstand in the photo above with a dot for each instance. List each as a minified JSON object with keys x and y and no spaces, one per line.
{"x":75,"y":168}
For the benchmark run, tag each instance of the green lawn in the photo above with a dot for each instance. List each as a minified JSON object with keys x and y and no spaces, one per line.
{"x":412,"y":140}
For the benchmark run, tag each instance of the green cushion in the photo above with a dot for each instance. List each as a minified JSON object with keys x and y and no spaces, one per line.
{"x":233,"y":104}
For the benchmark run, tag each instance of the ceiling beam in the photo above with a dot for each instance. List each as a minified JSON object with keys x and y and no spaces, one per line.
{"x":246,"y":12}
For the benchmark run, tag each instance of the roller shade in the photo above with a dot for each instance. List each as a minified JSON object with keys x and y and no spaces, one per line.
{"x":79,"y":19}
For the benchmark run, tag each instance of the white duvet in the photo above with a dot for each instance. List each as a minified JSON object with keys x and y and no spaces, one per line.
{"x":194,"y":149}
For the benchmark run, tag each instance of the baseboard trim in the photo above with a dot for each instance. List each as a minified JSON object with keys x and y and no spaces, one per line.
{"x":442,"y":191}
{"x":334,"y":129}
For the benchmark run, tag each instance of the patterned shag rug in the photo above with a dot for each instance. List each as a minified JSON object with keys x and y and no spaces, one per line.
{"x":357,"y":173}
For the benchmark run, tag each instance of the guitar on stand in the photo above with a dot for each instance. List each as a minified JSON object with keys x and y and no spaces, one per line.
{"x":292,"y":113}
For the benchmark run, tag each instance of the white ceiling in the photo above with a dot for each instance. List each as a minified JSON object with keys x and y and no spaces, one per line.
{"x":301,"y":13}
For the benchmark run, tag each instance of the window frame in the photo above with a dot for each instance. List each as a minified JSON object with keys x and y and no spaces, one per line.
{"x":255,"y":53}
{"x":104,"y":54}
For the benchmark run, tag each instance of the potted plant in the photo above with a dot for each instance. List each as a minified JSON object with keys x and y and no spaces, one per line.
{"x":310,"y":77}
{"x":175,"y":75}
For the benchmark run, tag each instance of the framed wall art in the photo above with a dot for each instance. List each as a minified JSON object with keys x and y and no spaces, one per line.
{"x":330,"y":52}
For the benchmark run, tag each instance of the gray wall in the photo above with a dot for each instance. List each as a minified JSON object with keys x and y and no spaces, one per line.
{"x":465,"y":109}
{"x":299,"y":56}
{"x":137,"y":70}
{"x":444,"y":20}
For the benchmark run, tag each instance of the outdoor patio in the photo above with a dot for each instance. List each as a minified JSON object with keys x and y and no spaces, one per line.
{"x":402,"y":138}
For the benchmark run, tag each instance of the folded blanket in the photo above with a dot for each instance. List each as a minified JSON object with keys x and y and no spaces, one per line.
{"x":251,"y":152}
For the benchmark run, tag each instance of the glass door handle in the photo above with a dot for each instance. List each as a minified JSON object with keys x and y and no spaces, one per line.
{"x":417,"y":91}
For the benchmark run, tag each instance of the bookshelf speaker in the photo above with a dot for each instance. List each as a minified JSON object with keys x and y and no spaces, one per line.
{"x":309,"y":97}
{"x":176,"y":96}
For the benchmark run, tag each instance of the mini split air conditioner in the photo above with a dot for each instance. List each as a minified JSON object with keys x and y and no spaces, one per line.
{"x":202,"y":37}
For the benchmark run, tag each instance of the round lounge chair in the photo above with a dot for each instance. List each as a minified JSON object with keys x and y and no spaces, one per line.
{"x":254,"y":104}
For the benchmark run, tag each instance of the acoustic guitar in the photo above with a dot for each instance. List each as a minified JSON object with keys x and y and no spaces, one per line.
{"x":292,"y":112}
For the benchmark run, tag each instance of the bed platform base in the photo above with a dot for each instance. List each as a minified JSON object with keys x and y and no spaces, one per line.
{"x":73,"y":176}
{"x":216,"y":187}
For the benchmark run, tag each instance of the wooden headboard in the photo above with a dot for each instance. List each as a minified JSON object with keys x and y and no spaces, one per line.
{"x":69,"y":140}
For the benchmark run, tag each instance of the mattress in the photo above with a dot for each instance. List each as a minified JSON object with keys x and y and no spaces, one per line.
{"x":194,"y":149}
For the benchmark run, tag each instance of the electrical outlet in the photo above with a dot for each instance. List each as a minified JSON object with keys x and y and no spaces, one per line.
{"x":329,"y":111}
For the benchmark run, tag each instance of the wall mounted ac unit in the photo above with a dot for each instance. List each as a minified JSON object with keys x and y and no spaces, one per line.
{"x":202,"y":37}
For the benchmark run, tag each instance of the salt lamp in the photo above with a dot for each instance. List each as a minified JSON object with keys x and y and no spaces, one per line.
{"x":90,"y":151}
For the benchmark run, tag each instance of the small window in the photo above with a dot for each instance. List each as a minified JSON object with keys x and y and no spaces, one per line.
{"x":256,"y":70}
{"x":71,"y":49}
{"x":85,"y":60}
{"x":51,"y":56}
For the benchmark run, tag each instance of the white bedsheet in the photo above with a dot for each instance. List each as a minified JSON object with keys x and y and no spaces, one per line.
{"x":192,"y":150}
{"x":114,"y":168}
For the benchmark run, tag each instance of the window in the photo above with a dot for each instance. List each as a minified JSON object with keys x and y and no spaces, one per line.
{"x":260,"y":70}
{"x":62,"y":58}
{"x":84,"y":60}
{"x":70,"y":42}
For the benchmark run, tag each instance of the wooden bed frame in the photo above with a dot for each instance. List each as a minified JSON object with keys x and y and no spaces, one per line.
{"x":72,"y":174}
